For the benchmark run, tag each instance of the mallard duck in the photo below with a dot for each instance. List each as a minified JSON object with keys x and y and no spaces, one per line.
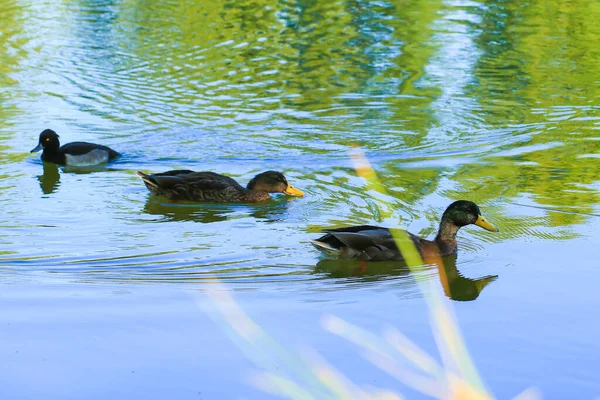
{"x":213,"y":187}
{"x":75,"y":153}
{"x":373,"y":243}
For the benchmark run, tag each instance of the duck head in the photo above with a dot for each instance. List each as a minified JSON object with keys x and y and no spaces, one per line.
{"x":464,"y":212}
{"x":273,"y":182}
{"x":48,"y":140}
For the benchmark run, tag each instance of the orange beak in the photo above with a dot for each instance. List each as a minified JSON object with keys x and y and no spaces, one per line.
{"x":292,"y":191}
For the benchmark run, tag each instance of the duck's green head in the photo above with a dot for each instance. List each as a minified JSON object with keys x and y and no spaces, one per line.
{"x":273,"y":182}
{"x":464,"y":212}
{"x":48,"y":139}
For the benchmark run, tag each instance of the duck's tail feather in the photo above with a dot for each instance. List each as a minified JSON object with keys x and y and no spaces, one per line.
{"x":148,"y":181}
{"x":326,"y":248}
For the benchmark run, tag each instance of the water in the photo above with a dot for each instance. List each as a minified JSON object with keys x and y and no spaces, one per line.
{"x":494,"y":102}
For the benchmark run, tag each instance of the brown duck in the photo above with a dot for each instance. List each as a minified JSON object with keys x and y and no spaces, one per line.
{"x":373,"y":243}
{"x":213,"y":187}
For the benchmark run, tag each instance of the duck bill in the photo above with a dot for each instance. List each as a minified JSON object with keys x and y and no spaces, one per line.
{"x":37,"y":148}
{"x":292,"y":191}
{"x":481,"y":222}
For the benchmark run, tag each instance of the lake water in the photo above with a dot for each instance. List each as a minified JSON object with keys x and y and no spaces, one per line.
{"x":102,"y":287}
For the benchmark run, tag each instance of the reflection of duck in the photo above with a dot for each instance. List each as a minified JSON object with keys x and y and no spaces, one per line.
{"x":366,"y":270}
{"x":212,"y":187}
{"x":454,"y":284}
{"x":76,"y":153}
{"x":271,"y":211}
{"x":458,"y":287}
{"x":187,"y":212}
{"x":374,"y":243}
{"x":50,"y":179}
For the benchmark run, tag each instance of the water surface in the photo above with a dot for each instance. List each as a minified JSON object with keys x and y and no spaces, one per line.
{"x":495,"y":102}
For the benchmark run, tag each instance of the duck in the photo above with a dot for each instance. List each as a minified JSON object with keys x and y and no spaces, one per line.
{"x":374,"y":243}
{"x":208,"y":186}
{"x":75,"y":153}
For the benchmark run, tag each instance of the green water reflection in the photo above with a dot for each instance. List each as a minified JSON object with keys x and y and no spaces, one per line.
{"x":494,"y":102}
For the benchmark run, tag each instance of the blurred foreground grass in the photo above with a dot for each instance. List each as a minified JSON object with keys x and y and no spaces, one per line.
{"x":309,"y":376}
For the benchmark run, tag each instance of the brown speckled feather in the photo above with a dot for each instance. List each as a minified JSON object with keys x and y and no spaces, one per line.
{"x":199,"y":186}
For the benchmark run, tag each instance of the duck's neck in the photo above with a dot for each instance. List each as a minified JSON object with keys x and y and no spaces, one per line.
{"x":49,"y":152}
{"x":446,"y":237}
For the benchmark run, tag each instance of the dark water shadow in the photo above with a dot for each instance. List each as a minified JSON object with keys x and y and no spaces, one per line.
{"x":50,"y":178}
{"x":275,"y":210}
{"x":184,"y":211}
{"x":455,"y":285}
{"x":271,"y":211}
{"x":88,"y":169}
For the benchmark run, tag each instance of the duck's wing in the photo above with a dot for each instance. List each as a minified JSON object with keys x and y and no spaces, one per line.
{"x":363,"y":242}
{"x":174,"y":172}
{"x":82,"y":148}
{"x":360,"y":237}
{"x":190,"y":185}
{"x":164,"y":180}
{"x":201,"y":180}
{"x":212,"y":178}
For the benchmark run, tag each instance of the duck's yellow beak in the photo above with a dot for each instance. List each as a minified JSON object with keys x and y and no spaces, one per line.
{"x":292,"y":191}
{"x":485,"y":225}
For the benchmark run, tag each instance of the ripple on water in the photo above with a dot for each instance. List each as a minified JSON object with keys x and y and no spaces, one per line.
{"x":170,"y":90}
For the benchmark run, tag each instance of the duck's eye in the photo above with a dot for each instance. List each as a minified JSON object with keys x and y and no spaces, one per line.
{"x":47,"y":139}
